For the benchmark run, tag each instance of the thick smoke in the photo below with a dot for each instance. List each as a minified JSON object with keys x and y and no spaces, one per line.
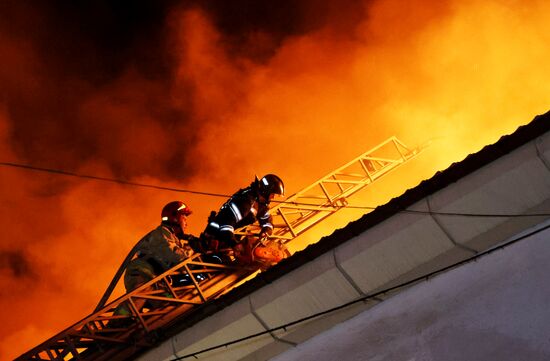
{"x":203,"y":95}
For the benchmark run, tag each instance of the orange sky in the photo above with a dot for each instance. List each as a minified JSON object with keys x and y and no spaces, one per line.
{"x":463,"y":73}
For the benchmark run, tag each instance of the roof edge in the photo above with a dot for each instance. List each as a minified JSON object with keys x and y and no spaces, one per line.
{"x":473,"y":162}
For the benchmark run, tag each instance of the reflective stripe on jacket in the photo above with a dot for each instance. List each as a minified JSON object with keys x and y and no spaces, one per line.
{"x":242,"y":209}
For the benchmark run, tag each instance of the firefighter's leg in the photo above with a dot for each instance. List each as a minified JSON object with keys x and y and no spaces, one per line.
{"x":137,"y":273}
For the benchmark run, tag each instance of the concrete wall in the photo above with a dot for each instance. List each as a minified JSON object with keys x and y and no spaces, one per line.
{"x":495,"y":308}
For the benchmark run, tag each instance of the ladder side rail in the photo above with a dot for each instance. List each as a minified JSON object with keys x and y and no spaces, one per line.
{"x":325,"y":191}
{"x":294,"y":221}
{"x":330,"y":179}
{"x":365,"y":168}
{"x":312,"y":211}
{"x":378,"y":175}
{"x":306,"y":207}
{"x":352,"y":175}
{"x":309,"y":210}
{"x":323,"y":215}
{"x":328,"y":205}
{"x":222,"y":286}
{"x":105,"y":313}
{"x":340,"y":169}
{"x":225,"y":284}
{"x":334,"y":176}
{"x":326,"y":197}
{"x":385,"y":160}
{"x":357,"y":185}
{"x":288,"y":224}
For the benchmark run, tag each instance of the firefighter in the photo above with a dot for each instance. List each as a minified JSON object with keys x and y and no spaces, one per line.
{"x":246,"y":206}
{"x":162,"y":248}
{"x":159,"y":250}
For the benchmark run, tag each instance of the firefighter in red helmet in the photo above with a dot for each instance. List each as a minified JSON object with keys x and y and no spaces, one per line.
{"x":159,"y":250}
{"x":162,"y":248}
{"x":245,"y":207}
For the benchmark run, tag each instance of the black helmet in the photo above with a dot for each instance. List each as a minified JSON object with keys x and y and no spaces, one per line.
{"x":270,"y":184}
{"x":172,"y":212}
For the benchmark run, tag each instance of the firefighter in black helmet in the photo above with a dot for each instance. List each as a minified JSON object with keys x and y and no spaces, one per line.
{"x":246,"y":206}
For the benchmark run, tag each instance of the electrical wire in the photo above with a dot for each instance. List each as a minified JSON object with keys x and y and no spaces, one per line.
{"x":179,"y":190}
{"x":366,"y":297}
{"x":105,"y":179}
{"x":435,"y":213}
{"x":459,"y":214}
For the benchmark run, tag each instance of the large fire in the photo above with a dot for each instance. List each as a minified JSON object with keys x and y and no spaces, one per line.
{"x":462,"y":73}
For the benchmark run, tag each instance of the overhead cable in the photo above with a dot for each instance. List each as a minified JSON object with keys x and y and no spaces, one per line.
{"x":461,"y":214}
{"x":364,"y":298}
{"x":328,"y":206}
{"x":105,"y":179}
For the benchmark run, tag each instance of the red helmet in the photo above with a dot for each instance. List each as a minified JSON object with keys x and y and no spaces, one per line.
{"x":172,"y":212}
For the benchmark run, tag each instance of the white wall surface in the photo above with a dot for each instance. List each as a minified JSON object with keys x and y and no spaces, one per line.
{"x":495,"y":308}
{"x":459,"y":319}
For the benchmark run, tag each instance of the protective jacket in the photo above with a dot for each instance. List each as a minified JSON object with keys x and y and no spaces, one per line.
{"x":163,"y":249}
{"x":242,"y":209}
{"x":156,"y":253}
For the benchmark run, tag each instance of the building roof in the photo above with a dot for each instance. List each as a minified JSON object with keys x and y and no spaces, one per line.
{"x":390,"y":244}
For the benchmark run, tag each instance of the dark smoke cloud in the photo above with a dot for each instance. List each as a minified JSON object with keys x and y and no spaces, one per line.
{"x":92,"y":40}
{"x":256,"y":29}
{"x":85,"y":61}
{"x":95,"y":87}
{"x":78,"y":55}
{"x":16,"y":264}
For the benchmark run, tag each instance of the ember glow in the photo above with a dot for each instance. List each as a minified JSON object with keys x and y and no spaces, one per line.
{"x":198,"y":98}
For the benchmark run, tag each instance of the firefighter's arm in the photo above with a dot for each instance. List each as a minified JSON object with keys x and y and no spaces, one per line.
{"x":227,"y":235}
{"x":179,"y":249}
{"x":266,"y":223}
{"x":193,"y":242}
{"x":226,"y":221}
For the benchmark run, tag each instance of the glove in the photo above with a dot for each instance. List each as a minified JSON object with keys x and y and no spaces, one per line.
{"x":243,"y":254}
{"x":206,"y":243}
{"x":264,"y":234}
{"x":213,"y":245}
{"x":195,"y":243}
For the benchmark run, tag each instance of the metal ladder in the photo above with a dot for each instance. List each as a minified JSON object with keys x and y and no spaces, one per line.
{"x":313,"y":204}
{"x":105,"y":335}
